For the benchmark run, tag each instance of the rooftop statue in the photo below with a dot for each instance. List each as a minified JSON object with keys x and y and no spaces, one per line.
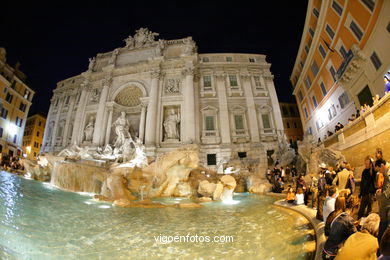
{"x":91,"y":64}
{"x":143,"y":37}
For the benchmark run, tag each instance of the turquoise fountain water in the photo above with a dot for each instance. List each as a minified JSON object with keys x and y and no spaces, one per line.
{"x":38,"y":221}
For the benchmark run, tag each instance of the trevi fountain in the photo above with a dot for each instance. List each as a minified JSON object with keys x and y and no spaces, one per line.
{"x":113,"y":203}
{"x":119,"y":200}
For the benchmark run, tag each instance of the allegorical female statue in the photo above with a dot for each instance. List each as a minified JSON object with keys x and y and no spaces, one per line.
{"x":122,"y":126}
{"x":88,"y":130}
{"x":171,"y":127}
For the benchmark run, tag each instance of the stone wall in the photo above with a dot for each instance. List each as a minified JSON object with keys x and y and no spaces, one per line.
{"x":364,"y":135}
{"x":356,"y":154}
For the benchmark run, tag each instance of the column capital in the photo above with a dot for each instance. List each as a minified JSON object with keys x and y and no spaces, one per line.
{"x":188,"y":71}
{"x":155,"y":73}
{"x":107,"y":81}
{"x":220,"y":76}
{"x":196,"y":76}
{"x":85,"y":85}
{"x":245,"y":76}
{"x":144,"y":102}
{"x":268,"y":75}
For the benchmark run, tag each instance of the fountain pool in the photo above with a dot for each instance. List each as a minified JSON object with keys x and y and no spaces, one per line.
{"x":38,"y":221}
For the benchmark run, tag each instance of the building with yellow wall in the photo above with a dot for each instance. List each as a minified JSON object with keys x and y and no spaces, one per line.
{"x":291,"y":122}
{"x":342,"y":61}
{"x":33,"y":135}
{"x":15,"y":102}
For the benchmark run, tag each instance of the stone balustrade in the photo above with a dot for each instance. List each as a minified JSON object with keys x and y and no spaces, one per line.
{"x":366,"y":133}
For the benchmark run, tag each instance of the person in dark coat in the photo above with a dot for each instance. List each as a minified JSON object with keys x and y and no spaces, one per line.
{"x":340,"y":229}
{"x":293,"y":171}
{"x":301,"y":182}
{"x":367,"y":188}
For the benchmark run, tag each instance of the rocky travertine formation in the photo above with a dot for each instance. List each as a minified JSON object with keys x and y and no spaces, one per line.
{"x":220,"y":190}
{"x":257,"y":184}
{"x":175,"y":173}
{"x":284,"y":154}
{"x":313,"y":155}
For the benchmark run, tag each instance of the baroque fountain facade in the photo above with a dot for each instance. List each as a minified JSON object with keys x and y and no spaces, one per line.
{"x":150,"y":116}
{"x":171,"y":96}
{"x":145,"y":124}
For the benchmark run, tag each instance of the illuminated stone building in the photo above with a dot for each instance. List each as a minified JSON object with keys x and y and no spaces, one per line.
{"x":33,"y":135}
{"x":171,"y":95}
{"x":15,"y":102}
{"x":342,"y":61}
{"x":291,"y":123}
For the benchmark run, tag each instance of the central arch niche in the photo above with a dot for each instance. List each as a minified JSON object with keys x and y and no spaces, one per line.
{"x":129,"y":97}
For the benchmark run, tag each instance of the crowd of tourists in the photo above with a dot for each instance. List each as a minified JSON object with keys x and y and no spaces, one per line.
{"x":356,"y":217}
{"x":353,"y":117}
{"x":10,"y":163}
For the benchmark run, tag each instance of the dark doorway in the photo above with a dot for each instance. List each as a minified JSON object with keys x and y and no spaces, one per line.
{"x":365,"y":96}
{"x":269,"y":158}
{"x":212,"y":159}
{"x":241,"y":155}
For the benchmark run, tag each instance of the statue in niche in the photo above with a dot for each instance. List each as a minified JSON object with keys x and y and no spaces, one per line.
{"x":88,"y":130}
{"x":122,"y":126}
{"x":95,"y":95}
{"x":173,"y":86}
{"x":92,"y":62}
{"x":171,"y":125}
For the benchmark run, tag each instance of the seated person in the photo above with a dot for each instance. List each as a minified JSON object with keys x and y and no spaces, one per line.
{"x":341,"y":227}
{"x":362,"y":244}
{"x":279,"y":186}
{"x":387,"y":83}
{"x":329,"y":204}
{"x":299,"y":197}
{"x":290,"y":195}
{"x":376,"y":99}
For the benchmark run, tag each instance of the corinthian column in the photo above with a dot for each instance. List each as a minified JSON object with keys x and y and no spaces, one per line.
{"x":99,"y":128}
{"x":253,"y":125}
{"x":54,"y":134}
{"x":46,"y":132}
{"x":109,"y":122}
{"x":79,"y":113}
{"x":151,"y":115}
{"x":188,"y":110}
{"x":223,"y":108}
{"x":141,"y":132}
{"x":275,"y":106}
{"x":67,"y":123}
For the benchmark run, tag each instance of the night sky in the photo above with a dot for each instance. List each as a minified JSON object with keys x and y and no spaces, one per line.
{"x":54,"y":42}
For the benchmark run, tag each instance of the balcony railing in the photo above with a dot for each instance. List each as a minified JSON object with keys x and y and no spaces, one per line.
{"x":344,"y":64}
{"x":210,"y":133}
{"x":240,"y":132}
